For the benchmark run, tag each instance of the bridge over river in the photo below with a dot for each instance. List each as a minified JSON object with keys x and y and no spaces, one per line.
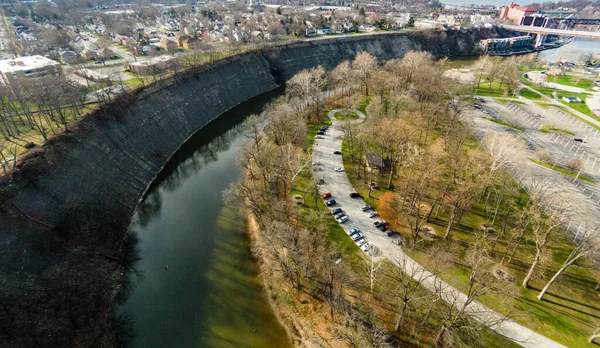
{"x":542,"y":32}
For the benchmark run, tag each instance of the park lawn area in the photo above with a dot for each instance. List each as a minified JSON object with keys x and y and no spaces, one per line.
{"x":546,"y":129}
{"x":505,"y":124}
{"x":563,"y":171}
{"x":493,"y":90}
{"x":346,"y":115}
{"x":547,"y":91}
{"x":571,"y":309}
{"x":569,"y":80}
{"x":529,"y":94}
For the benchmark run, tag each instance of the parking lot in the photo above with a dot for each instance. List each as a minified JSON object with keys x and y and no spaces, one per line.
{"x":582,"y":197}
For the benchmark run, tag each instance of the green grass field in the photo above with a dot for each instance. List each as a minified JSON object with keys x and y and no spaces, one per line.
{"x":529,"y":94}
{"x":346,"y":115}
{"x":573,"y":81}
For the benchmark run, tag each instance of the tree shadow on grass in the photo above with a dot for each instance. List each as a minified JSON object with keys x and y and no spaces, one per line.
{"x":572,"y":301}
{"x":551,"y":312}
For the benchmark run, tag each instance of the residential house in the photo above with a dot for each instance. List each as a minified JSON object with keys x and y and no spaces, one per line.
{"x":168,"y":45}
{"x":187,"y":42}
{"x":69,"y":57}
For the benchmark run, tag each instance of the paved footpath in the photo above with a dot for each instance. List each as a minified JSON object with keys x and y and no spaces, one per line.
{"x":339,"y":185}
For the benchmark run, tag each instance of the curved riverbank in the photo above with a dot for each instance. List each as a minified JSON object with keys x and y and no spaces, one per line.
{"x":66,"y":208}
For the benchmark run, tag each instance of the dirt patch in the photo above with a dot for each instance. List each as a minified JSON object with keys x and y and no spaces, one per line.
{"x":298,"y":199}
{"x":429,"y":232}
{"x":502,"y":273}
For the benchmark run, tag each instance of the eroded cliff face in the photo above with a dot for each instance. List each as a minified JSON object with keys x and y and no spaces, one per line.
{"x":64,"y":214}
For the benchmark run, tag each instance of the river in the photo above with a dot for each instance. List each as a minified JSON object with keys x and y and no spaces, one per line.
{"x":210,"y":295}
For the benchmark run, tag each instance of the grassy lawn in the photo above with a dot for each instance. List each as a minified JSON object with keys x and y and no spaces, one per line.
{"x":573,"y":81}
{"x":505,"y":124}
{"x":571,"y":310}
{"x":546,"y":129}
{"x":529,"y":94}
{"x":563,"y":171}
{"x":346,"y":115}
{"x":581,"y":107}
{"x":493,"y":90}
{"x":362,"y":106}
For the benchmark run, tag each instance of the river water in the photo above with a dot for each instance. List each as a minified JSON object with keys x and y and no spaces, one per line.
{"x":210,"y":295}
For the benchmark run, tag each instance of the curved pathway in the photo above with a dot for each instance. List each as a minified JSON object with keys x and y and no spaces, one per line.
{"x":340,"y":187}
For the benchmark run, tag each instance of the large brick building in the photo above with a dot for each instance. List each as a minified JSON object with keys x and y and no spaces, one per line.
{"x":515,"y":13}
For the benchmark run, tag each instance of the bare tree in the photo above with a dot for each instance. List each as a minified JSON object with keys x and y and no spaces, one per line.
{"x":542,"y":226}
{"x":595,"y":335}
{"x":363,"y":66}
{"x":588,"y":246}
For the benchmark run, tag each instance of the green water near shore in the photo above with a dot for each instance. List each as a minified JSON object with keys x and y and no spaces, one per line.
{"x":210,"y":296}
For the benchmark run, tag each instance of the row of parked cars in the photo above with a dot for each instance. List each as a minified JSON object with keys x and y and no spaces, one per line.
{"x":341,"y":217}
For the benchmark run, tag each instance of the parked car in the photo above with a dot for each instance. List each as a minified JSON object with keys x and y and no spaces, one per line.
{"x":354,"y":195}
{"x":373,"y":214}
{"x":477,"y":106}
{"x":353,"y":231}
{"x":321,"y":133}
{"x":316,"y":163}
{"x":327,"y":195}
{"x":337,"y":152}
{"x":330,"y":202}
{"x":378,"y":223}
{"x":319,"y":137}
{"x":336,"y":211}
{"x":485,"y":111}
{"x":356,"y":236}
{"x":340,"y":215}
{"x":389,"y":233}
{"x":342,"y":219}
{"x":365,"y":207}
{"x":382,"y":227}
{"x":578,"y":140}
{"x":361,"y":242}
{"x":365,"y":247}
{"x":339,"y":169}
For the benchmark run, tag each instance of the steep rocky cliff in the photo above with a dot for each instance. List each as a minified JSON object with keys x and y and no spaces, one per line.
{"x":64,"y":213}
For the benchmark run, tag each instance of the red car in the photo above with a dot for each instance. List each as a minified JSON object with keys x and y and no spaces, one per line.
{"x":327,"y":195}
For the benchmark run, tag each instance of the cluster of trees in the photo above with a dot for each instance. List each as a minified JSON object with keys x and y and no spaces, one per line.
{"x":445,"y":174}
{"x":44,"y":105}
{"x":273,"y":159}
{"x":276,"y":155}
{"x":490,"y":69}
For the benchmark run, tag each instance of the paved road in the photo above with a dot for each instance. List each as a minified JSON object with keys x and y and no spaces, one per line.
{"x":339,"y":185}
